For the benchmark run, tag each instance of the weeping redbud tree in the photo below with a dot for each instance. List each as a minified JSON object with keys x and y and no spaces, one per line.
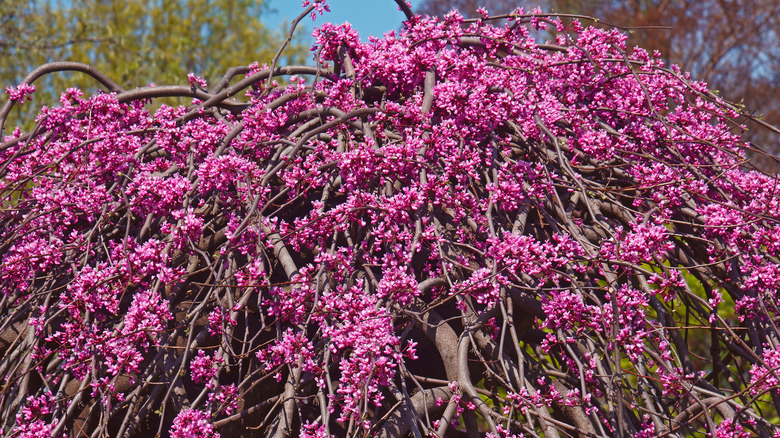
{"x":454,"y":230}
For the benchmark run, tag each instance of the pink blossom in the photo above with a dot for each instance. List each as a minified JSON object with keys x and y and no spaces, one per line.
{"x":191,"y":423}
{"x":203,"y":368}
{"x":21,"y":93}
{"x":196,"y":80}
{"x":320,"y":7}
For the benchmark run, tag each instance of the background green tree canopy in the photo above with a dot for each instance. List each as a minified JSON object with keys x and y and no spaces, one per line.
{"x":135,"y":43}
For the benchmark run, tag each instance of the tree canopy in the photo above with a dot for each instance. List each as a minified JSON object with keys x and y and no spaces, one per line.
{"x":455,"y":230}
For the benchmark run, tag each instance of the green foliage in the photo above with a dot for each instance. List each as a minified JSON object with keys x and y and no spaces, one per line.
{"x":134,"y":43}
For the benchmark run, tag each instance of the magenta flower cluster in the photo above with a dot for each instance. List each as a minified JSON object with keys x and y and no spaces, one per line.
{"x":21,"y":93}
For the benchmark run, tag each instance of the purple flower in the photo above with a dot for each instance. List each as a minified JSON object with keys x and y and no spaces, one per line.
{"x":196,"y":80}
{"x":192,"y":423}
{"x":21,"y":93}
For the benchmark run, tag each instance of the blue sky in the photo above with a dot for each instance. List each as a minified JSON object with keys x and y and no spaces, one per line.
{"x":368,"y":17}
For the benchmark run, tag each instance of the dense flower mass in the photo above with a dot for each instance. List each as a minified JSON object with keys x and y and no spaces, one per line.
{"x":453,"y":227}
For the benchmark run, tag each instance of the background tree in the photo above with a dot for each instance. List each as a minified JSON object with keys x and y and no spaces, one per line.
{"x":454,"y":231}
{"x":134,"y":43}
{"x":733,"y":45}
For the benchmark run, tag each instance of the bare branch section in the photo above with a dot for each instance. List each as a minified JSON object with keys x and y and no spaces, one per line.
{"x":456,"y":231}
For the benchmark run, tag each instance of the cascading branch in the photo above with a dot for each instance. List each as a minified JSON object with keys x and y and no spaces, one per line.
{"x":452,"y":230}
